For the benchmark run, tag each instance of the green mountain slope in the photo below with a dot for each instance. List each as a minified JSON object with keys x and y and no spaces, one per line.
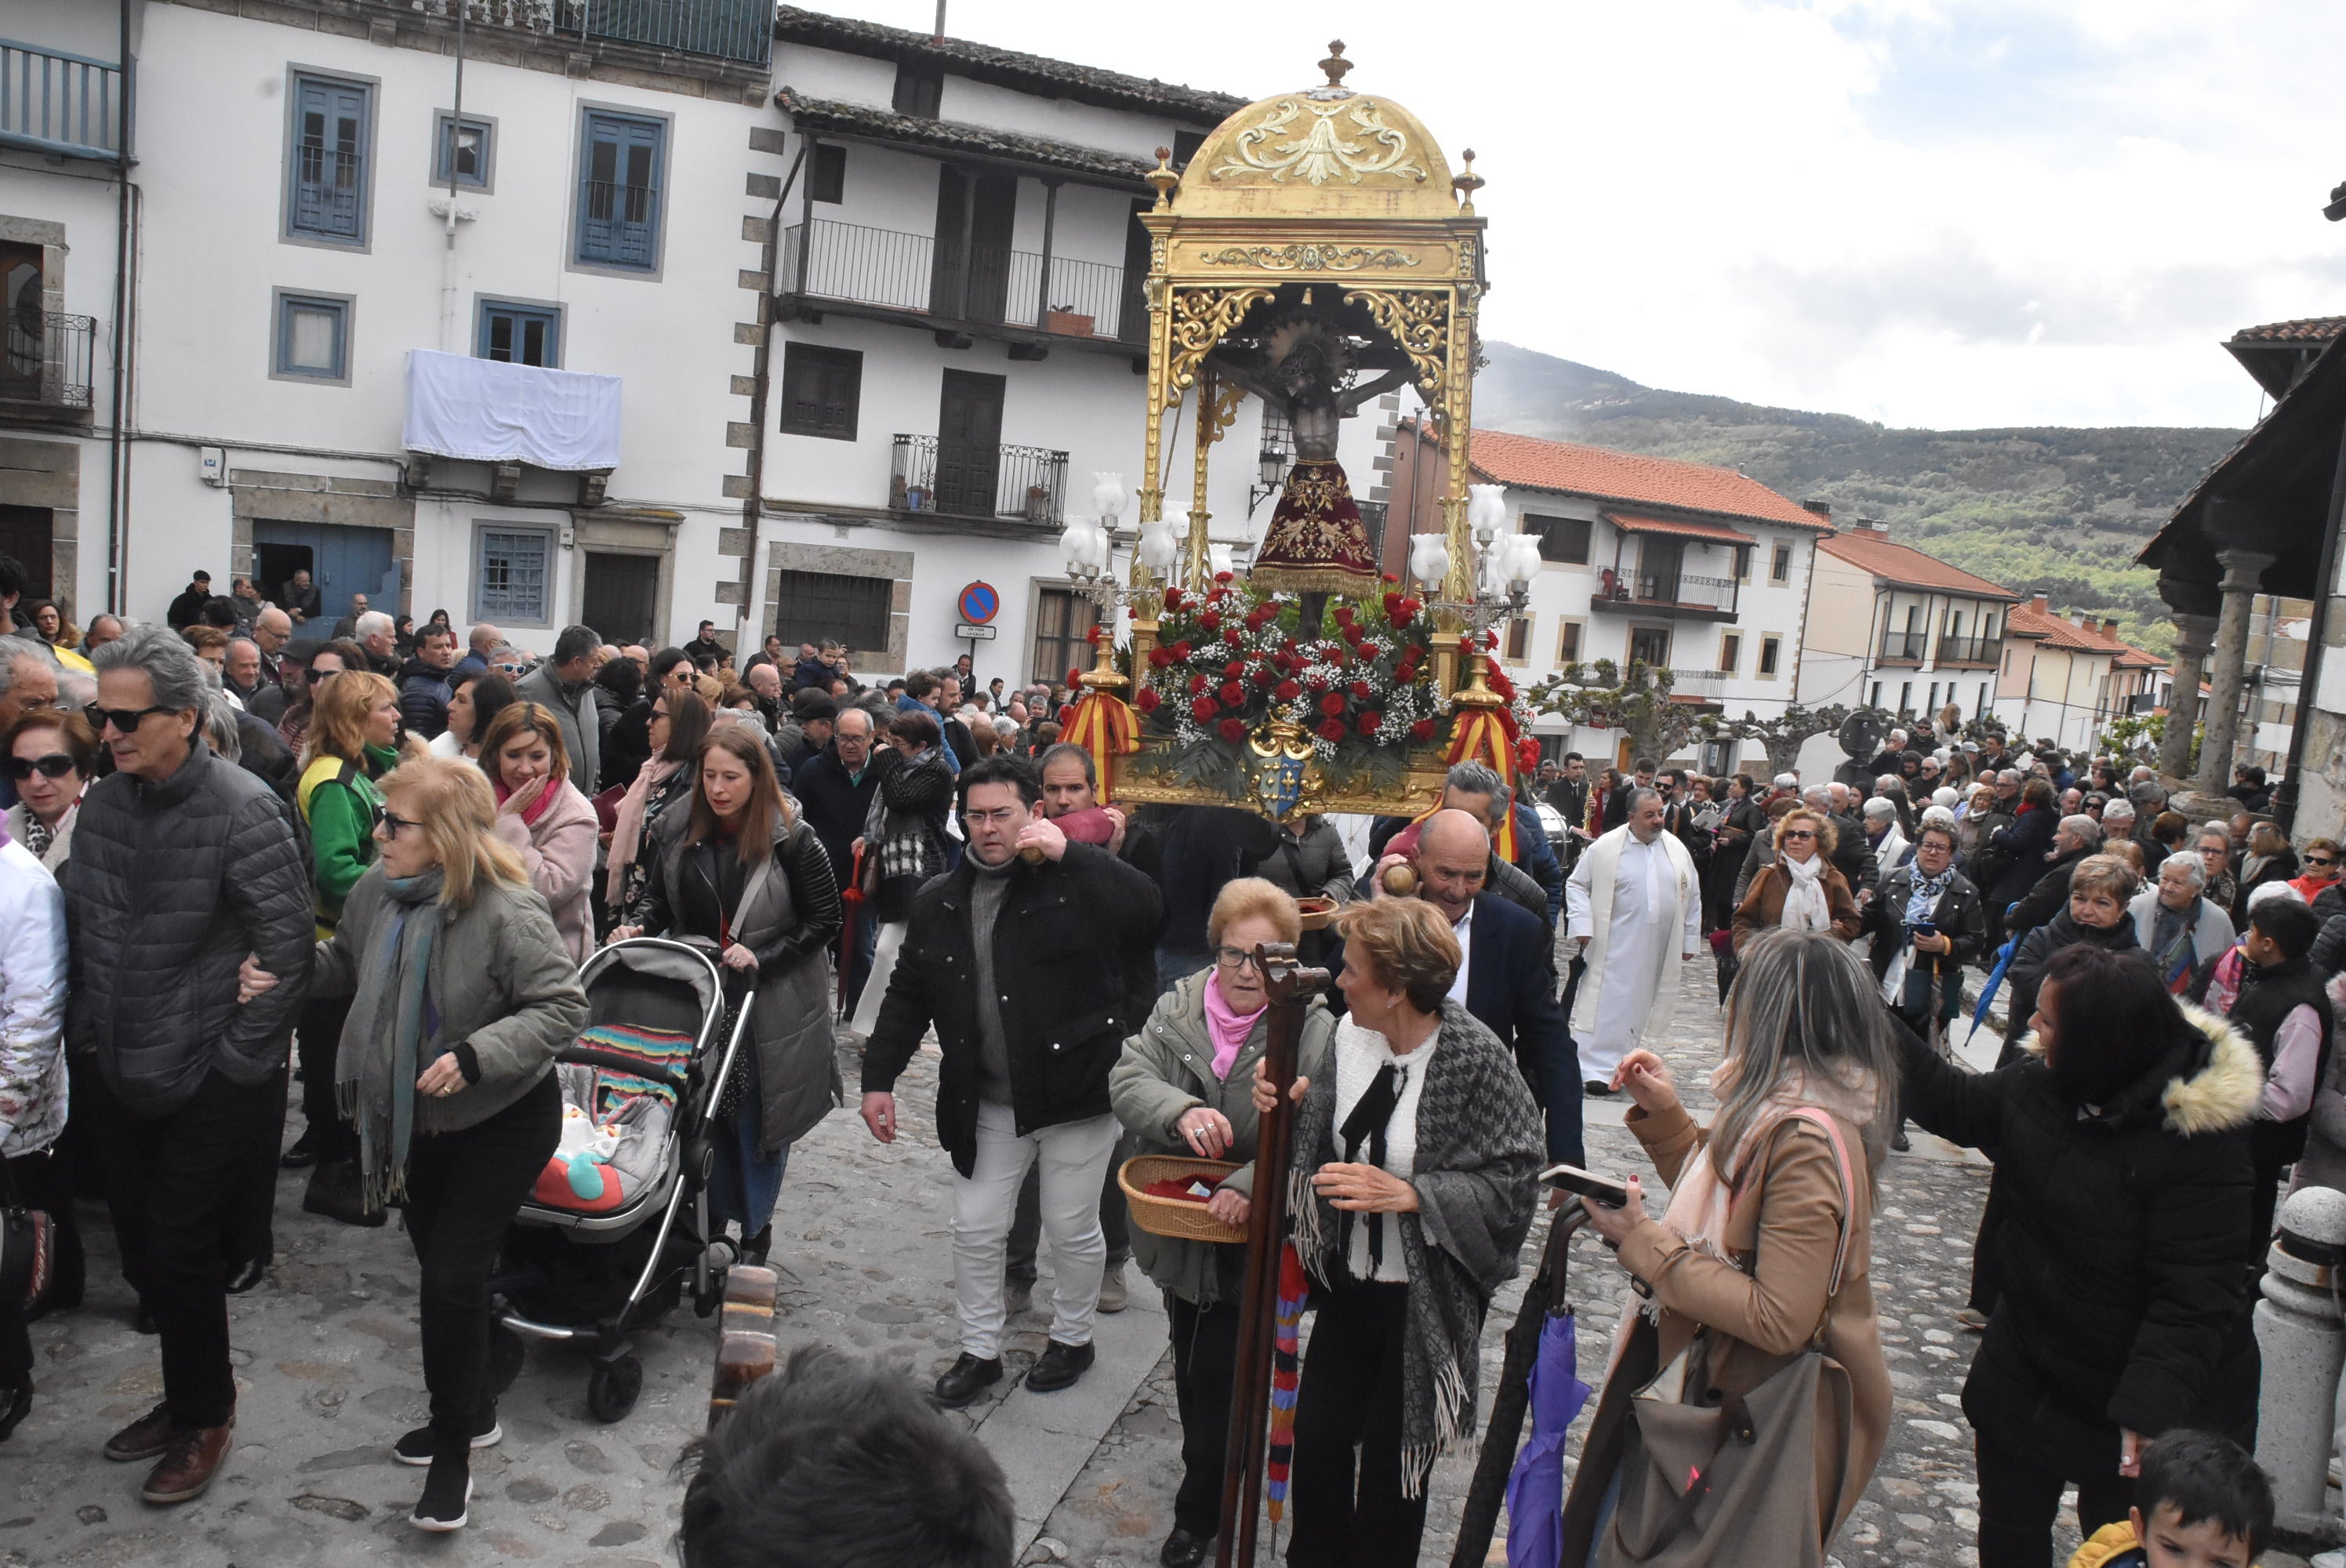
{"x":2054,"y":511}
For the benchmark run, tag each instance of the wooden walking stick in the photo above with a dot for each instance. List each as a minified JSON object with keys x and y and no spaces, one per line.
{"x":1290,"y":988}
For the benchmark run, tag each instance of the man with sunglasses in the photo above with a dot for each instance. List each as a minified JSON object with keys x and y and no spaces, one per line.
{"x":183,"y":864}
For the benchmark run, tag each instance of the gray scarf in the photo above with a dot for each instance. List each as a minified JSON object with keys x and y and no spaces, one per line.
{"x":1479,"y":1146}
{"x":394,"y":1018}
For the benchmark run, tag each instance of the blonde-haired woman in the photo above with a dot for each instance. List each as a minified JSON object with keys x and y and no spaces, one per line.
{"x":352,"y":741}
{"x":1799,"y":890}
{"x":1184,"y":1086}
{"x":744,"y":871}
{"x":1417,"y":1156}
{"x":1768,"y":1239}
{"x":541,"y":813}
{"x":460,"y":992}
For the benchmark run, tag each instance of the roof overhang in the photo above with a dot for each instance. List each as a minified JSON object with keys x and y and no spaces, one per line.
{"x":961,"y":143}
{"x":1681,"y":527}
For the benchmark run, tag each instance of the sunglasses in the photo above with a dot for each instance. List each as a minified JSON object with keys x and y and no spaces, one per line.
{"x":123,"y":720}
{"x":55,"y":766}
{"x":1797,"y":834}
{"x":2310,"y":859}
{"x":389,"y":822}
{"x":315,"y":676}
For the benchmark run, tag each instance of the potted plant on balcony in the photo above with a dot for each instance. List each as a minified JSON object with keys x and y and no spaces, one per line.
{"x":1064,"y":320}
{"x":1038,"y":504}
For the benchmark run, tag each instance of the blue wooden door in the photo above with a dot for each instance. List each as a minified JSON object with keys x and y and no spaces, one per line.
{"x":342,"y":562}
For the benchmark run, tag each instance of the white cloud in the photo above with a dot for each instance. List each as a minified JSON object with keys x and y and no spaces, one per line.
{"x":1946,"y":212}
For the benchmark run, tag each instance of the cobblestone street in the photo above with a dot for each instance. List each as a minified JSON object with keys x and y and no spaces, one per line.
{"x":329,"y":1375}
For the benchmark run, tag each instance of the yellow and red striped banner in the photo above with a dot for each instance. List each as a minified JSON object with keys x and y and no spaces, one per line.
{"x":1103,"y":726}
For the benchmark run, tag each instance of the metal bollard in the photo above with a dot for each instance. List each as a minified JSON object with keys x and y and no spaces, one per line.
{"x":2303,"y":1346}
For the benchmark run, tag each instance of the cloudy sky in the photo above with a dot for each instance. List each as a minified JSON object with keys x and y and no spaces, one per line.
{"x":1921,"y":212}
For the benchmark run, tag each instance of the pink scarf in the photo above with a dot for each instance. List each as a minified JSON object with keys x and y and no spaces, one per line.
{"x":1229,"y":1030}
{"x":628,"y":830}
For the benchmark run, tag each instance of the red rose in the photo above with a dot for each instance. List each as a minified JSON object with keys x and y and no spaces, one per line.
{"x":1159,"y":658}
{"x":1288,"y":646}
{"x":1173,"y":598}
{"x":1403,"y":614}
{"x":1234,"y":669}
{"x":1361,"y":689}
{"x":1332,"y":704}
{"x":1286,"y":691}
{"x":1233,"y":694}
{"x":1204,"y":708}
{"x":1197,"y":684}
{"x":1318,"y":681}
{"x":1222,"y":576}
{"x":1093,"y":635}
{"x":1332,"y":730}
{"x":1074,"y":676}
{"x":1147,"y":701}
{"x":1181,"y":649}
{"x":1370,"y":722}
{"x":1232,"y":636}
{"x":1264,"y":674}
{"x":1391,"y":578}
{"x":1232,"y":729}
{"x":1343,"y":615}
{"x":1422,"y":731}
{"x":1392,"y":603}
{"x":1502,"y":685}
{"x":1211,"y":621}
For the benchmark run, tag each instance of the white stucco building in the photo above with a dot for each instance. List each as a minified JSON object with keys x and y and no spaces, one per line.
{"x":1893,"y":628}
{"x":1699,"y":570}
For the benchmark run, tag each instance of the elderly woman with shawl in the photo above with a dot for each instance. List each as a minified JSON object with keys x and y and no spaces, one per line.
{"x":1416,"y":1161}
{"x":462,"y":991}
{"x":1764,"y":1250}
{"x":1799,"y":889}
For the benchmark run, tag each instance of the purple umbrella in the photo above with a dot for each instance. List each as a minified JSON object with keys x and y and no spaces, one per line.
{"x":1535,"y":1489}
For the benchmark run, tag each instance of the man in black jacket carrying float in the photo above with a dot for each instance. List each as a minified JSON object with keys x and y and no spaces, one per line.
{"x":1026,"y":969}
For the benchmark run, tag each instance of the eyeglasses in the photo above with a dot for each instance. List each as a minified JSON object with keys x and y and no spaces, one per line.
{"x":315,"y":676}
{"x":57,"y":765}
{"x":2319,"y":860}
{"x":1797,"y":833}
{"x":1237,"y":958}
{"x":123,"y":720}
{"x":389,"y":822}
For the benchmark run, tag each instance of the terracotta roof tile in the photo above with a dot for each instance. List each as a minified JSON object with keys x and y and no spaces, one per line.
{"x":2060,"y":632}
{"x":1683,"y":527}
{"x":2306,"y":329}
{"x":1910,"y":568}
{"x":1609,"y":475}
{"x":1006,"y":67}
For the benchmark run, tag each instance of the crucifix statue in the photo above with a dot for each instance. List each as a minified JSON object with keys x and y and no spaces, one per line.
{"x":1317,"y":544}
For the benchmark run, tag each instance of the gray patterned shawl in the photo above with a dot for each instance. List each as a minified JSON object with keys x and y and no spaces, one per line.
{"x":1479,"y":1147}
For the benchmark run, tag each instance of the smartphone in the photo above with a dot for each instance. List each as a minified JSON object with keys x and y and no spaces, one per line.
{"x":1610,"y":1191}
{"x":1921,"y":928}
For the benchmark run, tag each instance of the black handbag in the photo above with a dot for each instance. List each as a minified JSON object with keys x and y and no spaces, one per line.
{"x":27,"y":1248}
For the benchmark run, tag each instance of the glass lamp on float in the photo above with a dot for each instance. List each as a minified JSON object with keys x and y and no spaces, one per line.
{"x":1088,"y":551}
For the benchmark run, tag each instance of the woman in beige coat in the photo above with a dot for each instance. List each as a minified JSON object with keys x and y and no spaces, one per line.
{"x":1744,"y":1258}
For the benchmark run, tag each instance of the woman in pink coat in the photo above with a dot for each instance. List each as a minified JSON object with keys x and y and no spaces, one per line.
{"x":542,"y":814}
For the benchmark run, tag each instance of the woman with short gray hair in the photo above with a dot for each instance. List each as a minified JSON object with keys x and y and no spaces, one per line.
{"x":2175,"y":922}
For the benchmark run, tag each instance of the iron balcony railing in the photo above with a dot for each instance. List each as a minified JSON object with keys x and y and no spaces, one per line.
{"x":911,"y":272}
{"x":1904,"y":648}
{"x":1970,"y":650}
{"x":64,"y":105}
{"x":969,"y":479}
{"x":727,"y":29}
{"x":1662,"y":592}
{"x":46,"y":357}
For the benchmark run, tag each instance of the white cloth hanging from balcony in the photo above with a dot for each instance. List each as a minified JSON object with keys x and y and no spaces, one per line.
{"x":487,"y":411}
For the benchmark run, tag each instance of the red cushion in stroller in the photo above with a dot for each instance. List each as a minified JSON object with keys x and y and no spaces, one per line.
{"x":625,"y":1079}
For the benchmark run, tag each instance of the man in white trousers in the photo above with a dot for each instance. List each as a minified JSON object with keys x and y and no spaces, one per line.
{"x":1633,"y":908}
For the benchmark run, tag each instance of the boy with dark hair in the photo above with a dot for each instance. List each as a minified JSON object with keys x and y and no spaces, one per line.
{"x":834,"y":1462}
{"x":2200,"y":1501}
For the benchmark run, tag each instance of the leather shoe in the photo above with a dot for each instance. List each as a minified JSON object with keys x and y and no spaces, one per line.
{"x":1597,"y":1089}
{"x":1059,"y":1367}
{"x":246,"y":1277}
{"x":1185,"y":1548}
{"x":301,"y":1155}
{"x":189,"y":1461}
{"x":16,"y":1404}
{"x":142,"y":1438}
{"x":967,"y":1379}
{"x":334,"y":1192}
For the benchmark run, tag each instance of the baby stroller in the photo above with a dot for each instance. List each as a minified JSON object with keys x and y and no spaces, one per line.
{"x":619,"y":1218}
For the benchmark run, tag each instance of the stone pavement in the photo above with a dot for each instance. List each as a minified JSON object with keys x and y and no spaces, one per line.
{"x":329,"y":1375}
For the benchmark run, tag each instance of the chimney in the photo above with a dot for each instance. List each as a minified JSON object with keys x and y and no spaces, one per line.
{"x":2110,"y":627}
{"x":2039,"y":606}
{"x":1820,"y":507}
{"x":1874,"y":525}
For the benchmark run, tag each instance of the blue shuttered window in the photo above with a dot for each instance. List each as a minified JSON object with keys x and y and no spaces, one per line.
{"x":328,"y":160}
{"x":620,"y":175}
{"x":520,"y":334}
{"x":512,"y":577}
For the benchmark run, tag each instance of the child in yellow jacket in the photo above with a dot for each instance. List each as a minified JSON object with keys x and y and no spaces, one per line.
{"x":2200,"y":1501}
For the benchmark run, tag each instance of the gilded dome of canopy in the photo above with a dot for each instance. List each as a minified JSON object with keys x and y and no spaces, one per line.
{"x":1326,"y":151}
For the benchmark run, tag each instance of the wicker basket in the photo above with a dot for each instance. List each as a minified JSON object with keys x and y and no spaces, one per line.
{"x":1173,"y":1216}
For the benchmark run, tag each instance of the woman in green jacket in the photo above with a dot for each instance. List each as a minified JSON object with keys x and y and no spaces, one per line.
{"x":1184,"y":1086}
{"x":459,"y":992}
{"x":352,"y":741}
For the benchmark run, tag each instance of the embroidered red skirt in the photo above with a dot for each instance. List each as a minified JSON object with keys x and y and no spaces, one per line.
{"x":1317,"y":543}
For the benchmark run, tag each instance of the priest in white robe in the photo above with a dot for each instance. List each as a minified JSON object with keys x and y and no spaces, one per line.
{"x":1634,"y":910}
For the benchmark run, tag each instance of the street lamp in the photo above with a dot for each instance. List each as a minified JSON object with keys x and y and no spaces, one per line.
{"x":1270,"y":468}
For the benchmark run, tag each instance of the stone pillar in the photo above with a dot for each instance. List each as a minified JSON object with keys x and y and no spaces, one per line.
{"x":2194,"y":635}
{"x":2302,"y":1344}
{"x":2226,"y":670}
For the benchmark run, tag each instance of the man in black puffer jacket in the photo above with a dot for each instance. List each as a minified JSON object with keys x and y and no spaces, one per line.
{"x":1031,"y":975}
{"x":2121,"y":1139}
{"x":182,"y":865}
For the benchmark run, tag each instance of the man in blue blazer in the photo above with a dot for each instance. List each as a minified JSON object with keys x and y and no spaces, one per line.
{"x":1506,"y":984}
